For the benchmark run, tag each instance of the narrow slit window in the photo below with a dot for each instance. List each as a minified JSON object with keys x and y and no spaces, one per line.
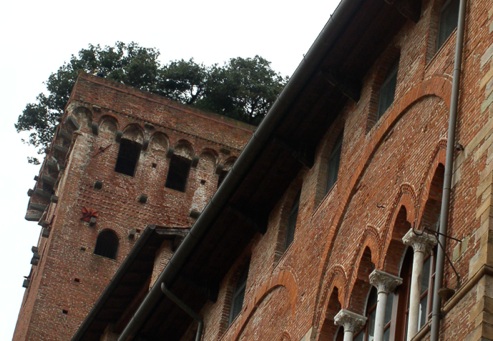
{"x":238,"y":295}
{"x":291,"y":224}
{"x":128,"y":156}
{"x":333,"y":164}
{"x":387,"y":91}
{"x":449,"y":15}
{"x":179,"y":167}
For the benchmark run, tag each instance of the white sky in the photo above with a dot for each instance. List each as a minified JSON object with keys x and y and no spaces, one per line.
{"x":39,"y":36}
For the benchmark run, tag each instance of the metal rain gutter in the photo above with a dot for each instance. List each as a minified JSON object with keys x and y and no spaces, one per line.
{"x":308,"y":66}
{"x":447,"y":181}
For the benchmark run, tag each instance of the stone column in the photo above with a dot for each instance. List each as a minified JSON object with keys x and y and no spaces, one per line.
{"x":351,"y":322}
{"x":385,"y":283}
{"x":422,"y":243}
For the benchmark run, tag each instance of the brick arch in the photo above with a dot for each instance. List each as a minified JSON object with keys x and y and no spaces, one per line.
{"x":437,"y":160}
{"x":370,"y":239}
{"x":159,"y":142}
{"x":434,"y":86}
{"x":83,"y":115}
{"x":404,"y":199}
{"x":133,"y":132}
{"x":285,"y":336}
{"x":358,"y":283}
{"x":108,"y":125}
{"x":328,"y":327}
{"x":284,"y":279}
{"x":229,"y":162}
{"x":395,"y":248}
{"x":336,"y":278}
{"x":209,"y":153}
{"x":184,"y":149}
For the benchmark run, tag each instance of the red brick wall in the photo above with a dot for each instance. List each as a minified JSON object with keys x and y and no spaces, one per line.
{"x":384,"y":170}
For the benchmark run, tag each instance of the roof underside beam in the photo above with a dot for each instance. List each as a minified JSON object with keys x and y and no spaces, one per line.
{"x":407,"y":8}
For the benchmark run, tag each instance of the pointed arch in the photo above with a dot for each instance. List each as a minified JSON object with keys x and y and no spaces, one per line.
{"x":357,"y":293}
{"x":435,"y":86}
{"x":333,"y":300}
{"x":395,"y":246}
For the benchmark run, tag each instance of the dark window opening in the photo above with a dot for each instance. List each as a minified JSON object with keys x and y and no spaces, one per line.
{"x":387,"y":91}
{"x":107,"y":244}
{"x":291,"y":224}
{"x":179,"y":167}
{"x":333,"y":165}
{"x":128,"y":156}
{"x":221,"y":176}
{"x":449,"y":15}
{"x":238,"y":295}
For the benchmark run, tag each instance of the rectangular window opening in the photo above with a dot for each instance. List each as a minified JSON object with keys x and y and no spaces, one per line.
{"x":128,"y":156}
{"x":179,"y":167}
{"x":387,"y":91}
{"x":449,"y":16}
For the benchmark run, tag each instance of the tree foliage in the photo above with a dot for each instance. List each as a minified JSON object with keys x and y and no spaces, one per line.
{"x":242,"y":88}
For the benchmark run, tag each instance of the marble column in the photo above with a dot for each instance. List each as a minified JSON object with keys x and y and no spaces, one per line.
{"x":351,"y":322}
{"x":385,"y":283}
{"x":422,"y":243}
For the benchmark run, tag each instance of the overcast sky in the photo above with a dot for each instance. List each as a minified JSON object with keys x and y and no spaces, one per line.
{"x":39,"y":36}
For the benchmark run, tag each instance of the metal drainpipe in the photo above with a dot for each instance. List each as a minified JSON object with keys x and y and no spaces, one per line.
{"x":187,"y":309}
{"x":447,"y":181}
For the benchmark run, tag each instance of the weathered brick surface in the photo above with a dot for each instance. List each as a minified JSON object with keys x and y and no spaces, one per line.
{"x":390,"y":180}
{"x":70,"y":277}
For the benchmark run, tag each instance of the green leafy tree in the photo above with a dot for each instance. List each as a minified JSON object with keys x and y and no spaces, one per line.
{"x":242,"y":88}
{"x":183,"y":81}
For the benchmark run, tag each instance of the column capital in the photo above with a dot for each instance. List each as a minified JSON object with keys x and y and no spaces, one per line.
{"x":351,"y":322}
{"x":420,"y":242}
{"x":384,"y":282}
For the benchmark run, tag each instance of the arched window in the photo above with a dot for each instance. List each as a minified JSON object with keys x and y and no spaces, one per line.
{"x":107,"y":244}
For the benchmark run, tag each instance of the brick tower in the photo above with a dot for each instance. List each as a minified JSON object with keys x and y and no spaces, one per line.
{"x":121,"y":159}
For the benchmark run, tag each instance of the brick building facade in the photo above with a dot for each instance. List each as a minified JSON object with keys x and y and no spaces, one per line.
{"x":338,"y":221}
{"x":121,"y":159}
{"x":344,"y":223}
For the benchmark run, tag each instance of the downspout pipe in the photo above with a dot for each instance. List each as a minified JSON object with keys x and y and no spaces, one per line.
{"x":307,"y":68}
{"x":187,"y":309}
{"x":447,"y":181}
